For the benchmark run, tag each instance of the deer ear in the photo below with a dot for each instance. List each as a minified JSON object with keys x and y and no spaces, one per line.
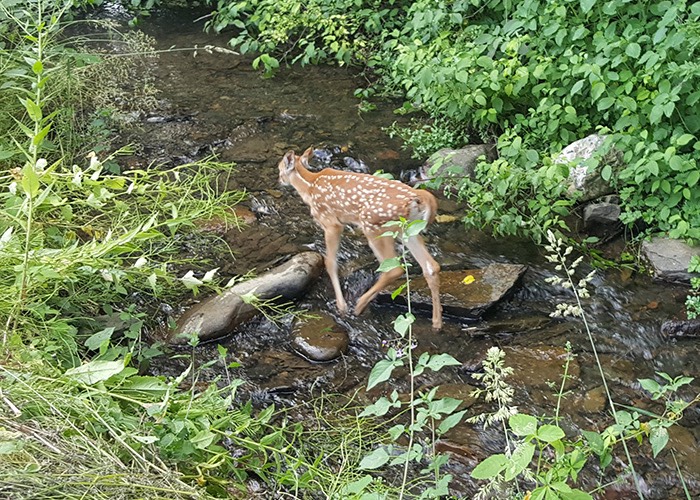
{"x":307,"y":154}
{"x":289,"y":161}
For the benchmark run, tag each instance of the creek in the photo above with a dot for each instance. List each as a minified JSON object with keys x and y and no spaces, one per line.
{"x":216,"y":103}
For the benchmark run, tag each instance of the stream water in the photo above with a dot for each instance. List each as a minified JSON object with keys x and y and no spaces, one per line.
{"x":215,"y":103}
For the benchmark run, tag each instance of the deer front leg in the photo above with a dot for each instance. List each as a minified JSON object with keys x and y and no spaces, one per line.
{"x":383,"y":249}
{"x":332,"y":235}
{"x":431,"y":273}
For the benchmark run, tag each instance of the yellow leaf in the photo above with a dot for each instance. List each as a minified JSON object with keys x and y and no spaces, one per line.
{"x":469,"y":279}
{"x":442,"y":219}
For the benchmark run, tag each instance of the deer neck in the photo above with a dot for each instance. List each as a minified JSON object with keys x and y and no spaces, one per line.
{"x":302,"y":180}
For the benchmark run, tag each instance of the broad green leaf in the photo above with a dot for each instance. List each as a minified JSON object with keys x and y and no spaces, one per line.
{"x":30,"y":181}
{"x":650,"y":385}
{"x":490,"y":467}
{"x":415,"y":227}
{"x":95,"y":371}
{"x":357,"y":486}
{"x":587,"y":5}
{"x":203,"y":439}
{"x":438,"y":361}
{"x":403,"y":322}
{"x":375,"y":459}
{"x":633,"y":50}
{"x":606,"y":173}
{"x":658,"y":437}
{"x":520,"y":460}
{"x":378,"y":408}
{"x":389,"y":264}
{"x":449,"y":422}
{"x":8,"y":447}
{"x":95,"y":341}
{"x":684,"y":139}
{"x":550,"y":433}
{"x":523,"y":425}
{"x":382,"y":371}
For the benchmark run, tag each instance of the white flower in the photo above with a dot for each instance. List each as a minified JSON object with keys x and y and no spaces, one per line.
{"x":12,"y":187}
{"x":140,"y":262}
{"x":40,"y":165}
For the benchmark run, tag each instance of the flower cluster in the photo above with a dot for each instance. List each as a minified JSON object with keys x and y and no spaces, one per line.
{"x":559,"y":255}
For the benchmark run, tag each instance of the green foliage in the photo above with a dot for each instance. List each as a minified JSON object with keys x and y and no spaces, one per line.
{"x":692,"y":301}
{"x":340,"y":31}
{"x":531,"y":76}
{"x":426,"y":411}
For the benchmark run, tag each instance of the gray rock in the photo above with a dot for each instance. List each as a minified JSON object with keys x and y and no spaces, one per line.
{"x":589,"y":183}
{"x":669,"y":259}
{"x":217,"y":316}
{"x":320,"y":339}
{"x":679,"y":328}
{"x":460,"y":296}
{"x":454,"y":164}
{"x":602,"y":219}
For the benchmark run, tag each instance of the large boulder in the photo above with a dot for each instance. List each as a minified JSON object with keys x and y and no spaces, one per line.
{"x":467,"y":294}
{"x":669,"y":259}
{"x":217,"y":316}
{"x":454,"y":164}
{"x":582,"y":178}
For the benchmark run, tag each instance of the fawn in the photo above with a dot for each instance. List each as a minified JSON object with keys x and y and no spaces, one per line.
{"x":337,"y":198}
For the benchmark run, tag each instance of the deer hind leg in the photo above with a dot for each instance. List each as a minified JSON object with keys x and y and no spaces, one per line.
{"x":431,"y":272}
{"x":383,"y":249}
{"x":332,"y":235}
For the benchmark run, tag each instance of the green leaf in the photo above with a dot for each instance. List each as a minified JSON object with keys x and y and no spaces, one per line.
{"x":415,"y":228}
{"x":449,"y":422}
{"x":490,"y":467}
{"x":375,"y":459}
{"x":520,"y":460}
{"x":633,"y":50}
{"x":550,"y":433}
{"x":389,"y":264}
{"x":606,"y":173}
{"x":95,"y":341}
{"x":658,"y":437}
{"x":95,"y":371}
{"x":684,"y":139}
{"x":33,"y":110}
{"x":382,"y":371}
{"x":523,"y":425}
{"x":587,"y":5}
{"x":37,"y":67}
{"x":30,"y":181}
{"x":650,"y":385}
{"x":438,"y":361}
{"x":203,"y":439}
{"x":403,"y":322}
{"x":378,"y":408}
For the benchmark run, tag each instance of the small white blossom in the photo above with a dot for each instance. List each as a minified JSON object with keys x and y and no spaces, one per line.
{"x":12,"y":187}
{"x":140,"y":262}
{"x":40,"y":165}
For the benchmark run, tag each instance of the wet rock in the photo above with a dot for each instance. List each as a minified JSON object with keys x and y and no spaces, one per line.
{"x":320,"y":339}
{"x":454,"y":164}
{"x":581,"y":178}
{"x":594,"y":401}
{"x":217,"y":316}
{"x":681,"y":328}
{"x":355,"y":165}
{"x":510,"y":326}
{"x":388,"y":154}
{"x":602,"y":219}
{"x":218,"y":225}
{"x":669,"y":259}
{"x":536,"y":367}
{"x":465,"y":294}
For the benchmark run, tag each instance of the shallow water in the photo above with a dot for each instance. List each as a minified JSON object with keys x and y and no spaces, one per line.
{"x":216,"y":104}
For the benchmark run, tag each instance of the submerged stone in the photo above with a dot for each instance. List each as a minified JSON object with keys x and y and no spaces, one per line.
{"x":465,"y":294}
{"x":320,"y":339}
{"x":217,"y":316}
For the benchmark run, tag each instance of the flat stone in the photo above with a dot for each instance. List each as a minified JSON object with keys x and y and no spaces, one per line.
{"x":320,"y":339}
{"x":218,"y":315}
{"x":460,"y":295}
{"x":669,"y":259}
{"x":535,"y":368}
